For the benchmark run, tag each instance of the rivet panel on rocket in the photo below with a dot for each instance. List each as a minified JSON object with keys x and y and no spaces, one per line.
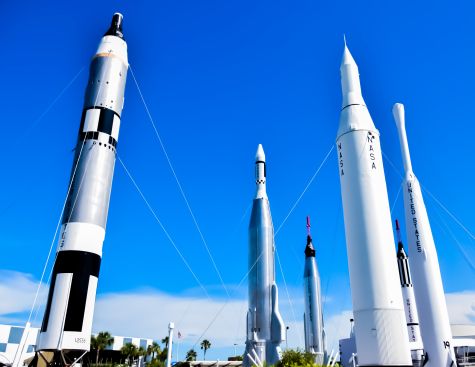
{"x":380,"y":326}
{"x":427,"y":280}
{"x":313,"y":316}
{"x":67,"y":322}
{"x":265,"y":328}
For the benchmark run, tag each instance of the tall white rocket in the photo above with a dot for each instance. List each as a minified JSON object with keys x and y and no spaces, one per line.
{"x":313,"y":316}
{"x":428,"y":287}
{"x":380,"y":325}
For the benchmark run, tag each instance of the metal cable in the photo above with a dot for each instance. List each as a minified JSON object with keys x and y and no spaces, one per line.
{"x":163,"y":227}
{"x":304,"y":190}
{"x":178,"y":183}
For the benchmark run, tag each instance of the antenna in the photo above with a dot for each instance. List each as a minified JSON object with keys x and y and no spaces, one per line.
{"x":308,"y":225}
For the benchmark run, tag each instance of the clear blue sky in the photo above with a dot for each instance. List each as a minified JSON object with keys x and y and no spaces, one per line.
{"x":220,"y":77}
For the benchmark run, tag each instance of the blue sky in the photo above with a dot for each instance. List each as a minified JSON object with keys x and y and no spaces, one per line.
{"x":219,"y":77}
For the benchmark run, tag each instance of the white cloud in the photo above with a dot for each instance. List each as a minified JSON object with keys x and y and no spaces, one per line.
{"x":147,"y":312}
{"x":461,"y":307}
{"x":17,"y":292}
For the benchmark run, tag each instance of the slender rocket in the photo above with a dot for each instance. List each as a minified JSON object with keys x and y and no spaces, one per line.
{"x":66,"y":329}
{"x":313,"y":316}
{"x":409,"y":300}
{"x":428,"y":287}
{"x":380,"y":325}
{"x":265,"y":328}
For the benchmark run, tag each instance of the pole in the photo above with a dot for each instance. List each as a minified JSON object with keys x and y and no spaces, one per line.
{"x":171,"y":326}
{"x":286,"y":338}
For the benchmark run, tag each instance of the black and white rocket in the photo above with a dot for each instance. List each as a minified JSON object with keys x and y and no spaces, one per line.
{"x":380,"y":324}
{"x":428,"y":287}
{"x":408,"y":298}
{"x":313,"y":316}
{"x":265,"y":327}
{"x":66,"y":329}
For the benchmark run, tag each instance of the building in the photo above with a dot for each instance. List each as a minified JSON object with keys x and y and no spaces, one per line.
{"x":10,"y":337}
{"x":463,"y":340}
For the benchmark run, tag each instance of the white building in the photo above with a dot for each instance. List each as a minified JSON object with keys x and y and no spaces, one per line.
{"x":10,"y":337}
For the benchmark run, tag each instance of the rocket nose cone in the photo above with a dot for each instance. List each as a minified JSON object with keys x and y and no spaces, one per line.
{"x":116,"y":26}
{"x":398,"y":113}
{"x":260,"y":156}
{"x":347,"y":58}
{"x":401,"y":254}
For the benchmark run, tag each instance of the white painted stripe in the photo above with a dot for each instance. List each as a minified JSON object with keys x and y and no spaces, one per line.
{"x":82,"y":340}
{"x":59,"y":304}
{"x":91,"y":121}
{"x":77,"y":236}
{"x":115,"y":127}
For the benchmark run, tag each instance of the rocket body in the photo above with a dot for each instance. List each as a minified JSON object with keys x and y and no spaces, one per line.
{"x":428,"y":287}
{"x":67,"y":321}
{"x":380,"y":327}
{"x":265,"y":328}
{"x":313,"y":316}
{"x":409,"y":300}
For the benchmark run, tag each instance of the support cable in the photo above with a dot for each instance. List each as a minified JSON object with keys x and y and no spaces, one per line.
{"x":163,"y":227}
{"x":182,"y":192}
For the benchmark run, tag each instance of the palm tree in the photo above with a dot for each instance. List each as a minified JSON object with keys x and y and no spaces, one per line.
{"x":130,"y":351}
{"x":165,"y":341}
{"x":191,"y":355}
{"x":153,"y":349}
{"x":100,"y":342}
{"x":205,"y":345}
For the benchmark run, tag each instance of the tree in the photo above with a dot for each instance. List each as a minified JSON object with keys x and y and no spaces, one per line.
{"x":296,"y":357}
{"x":130,"y":351}
{"x":154,"y":349}
{"x":100,"y":342}
{"x":191,"y":355}
{"x":205,"y":345}
{"x":165,"y":341}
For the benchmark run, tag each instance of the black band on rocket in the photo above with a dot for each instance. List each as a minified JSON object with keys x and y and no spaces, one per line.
{"x":82,"y":265}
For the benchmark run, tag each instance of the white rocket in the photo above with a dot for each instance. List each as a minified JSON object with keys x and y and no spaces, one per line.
{"x":313,"y":316}
{"x":265,"y":328}
{"x":380,"y":325}
{"x":410,"y":308}
{"x":431,"y":305}
{"x":66,"y":329}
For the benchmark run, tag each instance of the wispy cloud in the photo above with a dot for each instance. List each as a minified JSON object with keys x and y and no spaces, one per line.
{"x":146,"y":312}
{"x":461,"y":307}
{"x":17,"y":292}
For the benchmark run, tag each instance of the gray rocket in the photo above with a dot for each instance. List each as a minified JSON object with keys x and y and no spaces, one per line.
{"x":265,"y":328}
{"x":313,"y":316}
{"x":66,"y":329}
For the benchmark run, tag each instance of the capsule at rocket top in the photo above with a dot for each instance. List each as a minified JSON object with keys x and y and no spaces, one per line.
{"x":313,"y":316}
{"x":409,"y":300}
{"x":265,"y":328}
{"x":428,"y":287}
{"x":380,"y":327}
{"x":67,"y":322}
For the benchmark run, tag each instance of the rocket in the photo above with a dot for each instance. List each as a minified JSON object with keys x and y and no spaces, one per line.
{"x":265,"y":327}
{"x":313,"y":316}
{"x":380,"y":325}
{"x":428,"y":287}
{"x":66,"y":329}
{"x":409,"y":300}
